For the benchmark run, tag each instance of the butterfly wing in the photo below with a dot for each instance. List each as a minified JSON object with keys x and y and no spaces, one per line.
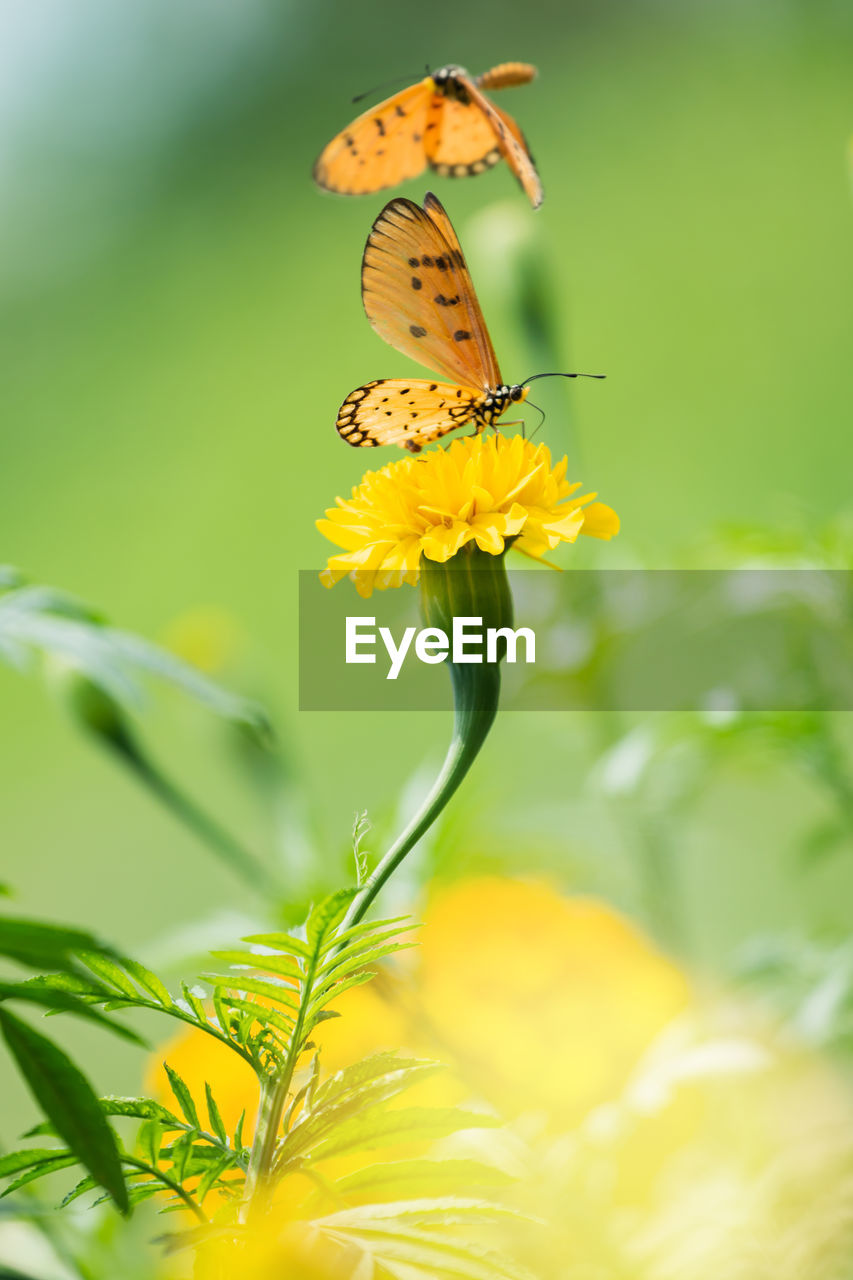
{"x":409,"y":412}
{"x":507,"y":75}
{"x":510,"y":141}
{"x":463,"y":143}
{"x":419,"y":297}
{"x":382,"y":147}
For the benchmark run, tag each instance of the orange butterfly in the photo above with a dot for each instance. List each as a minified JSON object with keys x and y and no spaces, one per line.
{"x":419,"y":297}
{"x":445,"y":121}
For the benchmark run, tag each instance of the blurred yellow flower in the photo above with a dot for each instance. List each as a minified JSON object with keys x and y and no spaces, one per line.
{"x":661,"y":1136}
{"x":546,"y":1001}
{"x":493,"y":490}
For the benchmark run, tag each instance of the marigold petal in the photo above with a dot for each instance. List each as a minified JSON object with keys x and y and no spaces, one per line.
{"x":486,"y":488}
{"x":600,"y":521}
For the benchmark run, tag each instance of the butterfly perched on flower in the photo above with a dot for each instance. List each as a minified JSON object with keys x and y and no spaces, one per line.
{"x":419,"y":297}
{"x":444,"y":121}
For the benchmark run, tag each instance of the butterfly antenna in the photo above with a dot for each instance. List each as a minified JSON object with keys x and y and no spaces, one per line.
{"x":388,"y":84}
{"x":541,"y":413}
{"x":563,"y":375}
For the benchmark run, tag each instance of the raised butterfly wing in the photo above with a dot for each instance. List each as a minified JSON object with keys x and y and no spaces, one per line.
{"x":419,"y":297}
{"x":382,"y":147}
{"x":507,"y":75}
{"x":462,"y":142}
{"x":409,"y":412}
{"x":510,"y":141}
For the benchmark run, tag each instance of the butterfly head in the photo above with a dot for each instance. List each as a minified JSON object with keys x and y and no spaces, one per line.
{"x":498,"y":399}
{"x":449,"y":81}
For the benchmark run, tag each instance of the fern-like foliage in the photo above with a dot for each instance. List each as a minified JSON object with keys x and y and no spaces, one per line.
{"x":265,"y":1001}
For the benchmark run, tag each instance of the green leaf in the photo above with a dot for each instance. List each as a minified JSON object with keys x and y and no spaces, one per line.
{"x":183,"y":1096}
{"x":398,"y":1216}
{"x":68,"y":1100}
{"x":149,"y":981}
{"x":139,"y":1109}
{"x":366,"y":1131}
{"x":325,"y":915}
{"x":266,"y":1017}
{"x":43,"y":946}
{"x":104,"y":967}
{"x":360,"y":949}
{"x":14,"y":1161}
{"x":51,"y":622}
{"x":325,"y":996}
{"x":283,"y":965}
{"x":216,"y":1123}
{"x":431,"y":1177}
{"x":212,"y":1176}
{"x":394,"y":1238}
{"x":257,"y":986}
{"x":284,"y":942}
{"x":386,"y":1071}
{"x":39,"y":1171}
{"x":41,"y":991}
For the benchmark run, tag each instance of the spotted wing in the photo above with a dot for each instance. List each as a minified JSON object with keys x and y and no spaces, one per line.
{"x":507,"y":75}
{"x":509,"y":140}
{"x":419,"y":297}
{"x":462,"y":142}
{"x":408,"y":412}
{"x":382,"y":147}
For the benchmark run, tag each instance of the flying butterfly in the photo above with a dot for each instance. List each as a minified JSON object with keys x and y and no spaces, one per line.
{"x":419,"y":298}
{"x":444,"y":121}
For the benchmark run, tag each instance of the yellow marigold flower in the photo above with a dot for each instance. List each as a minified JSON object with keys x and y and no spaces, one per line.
{"x":493,"y":490}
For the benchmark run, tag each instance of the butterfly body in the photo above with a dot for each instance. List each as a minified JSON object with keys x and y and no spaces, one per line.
{"x":445,"y":121}
{"x":419,"y":297}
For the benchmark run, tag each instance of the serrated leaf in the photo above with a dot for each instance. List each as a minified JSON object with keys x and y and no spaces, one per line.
{"x":283,"y":965}
{"x":105,"y":967}
{"x":360,"y":950}
{"x":438,"y":1255}
{"x":421,"y":1177}
{"x":149,"y":981}
{"x":284,"y":942}
{"x":367,"y":1083}
{"x":56,"y":999}
{"x":366,"y":1132}
{"x":212,"y":1177}
{"x":40,"y":1171}
{"x":66,"y":1097}
{"x":361,"y":1100}
{"x":371,"y":926}
{"x":398,"y":1216}
{"x":138,"y":1109}
{"x":257,"y":986}
{"x":216,"y":1123}
{"x":324,"y":997}
{"x":325,"y":915}
{"x":85,"y":1184}
{"x":13,"y":1161}
{"x":194,"y":1002}
{"x":266,"y":1017}
{"x":182,"y":1095}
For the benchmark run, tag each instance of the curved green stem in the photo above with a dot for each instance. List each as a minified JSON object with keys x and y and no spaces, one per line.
{"x":472,"y":723}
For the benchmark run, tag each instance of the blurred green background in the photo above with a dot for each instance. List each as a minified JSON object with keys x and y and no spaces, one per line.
{"x":180,"y":319}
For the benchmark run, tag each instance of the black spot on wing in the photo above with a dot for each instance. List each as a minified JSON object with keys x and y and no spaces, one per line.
{"x":461,"y":335}
{"x":417,"y":331}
